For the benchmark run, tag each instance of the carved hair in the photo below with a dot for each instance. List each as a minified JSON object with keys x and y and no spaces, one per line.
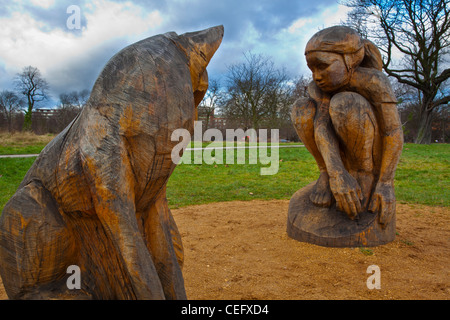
{"x":372,"y":56}
{"x":347,"y":42}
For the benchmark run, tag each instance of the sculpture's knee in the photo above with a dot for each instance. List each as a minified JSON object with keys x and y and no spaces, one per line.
{"x":351,"y":111}
{"x":34,"y":243}
{"x":342,"y":105}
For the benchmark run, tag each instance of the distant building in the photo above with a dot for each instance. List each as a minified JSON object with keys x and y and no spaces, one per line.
{"x":44,"y":113}
{"x":207,"y":116}
{"x":219,"y":123}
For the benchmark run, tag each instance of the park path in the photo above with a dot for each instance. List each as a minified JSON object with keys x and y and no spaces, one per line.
{"x":187,"y":149}
{"x":18,"y":155}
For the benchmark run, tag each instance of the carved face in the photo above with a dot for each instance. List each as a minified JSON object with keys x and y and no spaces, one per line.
{"x":329,"y":70}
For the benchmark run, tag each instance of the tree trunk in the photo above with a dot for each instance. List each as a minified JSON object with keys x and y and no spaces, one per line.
{"x":424,"y":132}
{"x":9,"y":116}
{"x":27,"y":119}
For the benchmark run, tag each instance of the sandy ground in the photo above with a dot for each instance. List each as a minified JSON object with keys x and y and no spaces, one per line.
{"x":240,"y":250}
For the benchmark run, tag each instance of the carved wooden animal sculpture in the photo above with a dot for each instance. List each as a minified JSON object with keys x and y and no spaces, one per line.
{"x":351,"y":126}
{"x":96,"y":195}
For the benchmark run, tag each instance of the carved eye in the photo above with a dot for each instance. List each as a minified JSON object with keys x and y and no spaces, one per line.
{"x":322,"y":66}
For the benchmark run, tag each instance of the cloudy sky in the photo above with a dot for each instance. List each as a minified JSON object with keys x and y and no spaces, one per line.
{"x":40,"y":33}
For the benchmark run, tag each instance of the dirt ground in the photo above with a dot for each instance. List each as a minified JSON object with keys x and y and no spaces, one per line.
{"x":240,"y":250}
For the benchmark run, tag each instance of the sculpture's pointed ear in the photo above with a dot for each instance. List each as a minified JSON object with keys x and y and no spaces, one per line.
{"x":205,"y":42}
{"x":200,"y":48}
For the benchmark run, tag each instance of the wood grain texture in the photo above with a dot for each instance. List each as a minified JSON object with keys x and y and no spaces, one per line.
{"x":96,"y":195}
{"x":351,"y":126}
{"x":329,"y":227}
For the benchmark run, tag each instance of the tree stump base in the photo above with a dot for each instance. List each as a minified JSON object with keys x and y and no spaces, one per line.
{"x":328,"y":227}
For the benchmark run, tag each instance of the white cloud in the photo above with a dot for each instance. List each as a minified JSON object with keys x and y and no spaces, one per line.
{"x":25,"y":41}
{"x":107,"y":20}
{"x":288,"y":45}
{"x":325,"y":18}
{"x":299,"y":24}
{"x":336,"y":15}
{"x":68,"y":57}
{"x":43,"y":3}
{"x":295,"y":37}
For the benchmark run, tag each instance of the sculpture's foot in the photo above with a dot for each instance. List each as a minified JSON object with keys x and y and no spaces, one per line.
{"x":321,"y":194}
{"x":331,"y":228}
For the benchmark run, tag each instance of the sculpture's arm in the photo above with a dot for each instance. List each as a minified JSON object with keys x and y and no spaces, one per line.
{"x":383,"y":198}
{"x":392,"y":138}
{"x":344,"y":187}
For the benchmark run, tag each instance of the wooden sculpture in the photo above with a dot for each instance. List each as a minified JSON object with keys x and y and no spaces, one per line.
{"x":96,"y":195}
{"x":350,"y":124}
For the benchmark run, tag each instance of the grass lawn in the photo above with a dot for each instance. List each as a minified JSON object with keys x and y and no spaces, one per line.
{"x":12,"y":171}
{"x":23,"y":143}
{"x":202,"y":183}
{"x":422,"y":177}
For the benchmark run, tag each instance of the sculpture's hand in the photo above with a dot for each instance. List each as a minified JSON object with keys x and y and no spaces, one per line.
{"x":347,"y":193}
{"x":383,"y":202}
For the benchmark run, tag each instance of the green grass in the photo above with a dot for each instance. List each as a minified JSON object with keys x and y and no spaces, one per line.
{"x":23,"y":143}
{"x":422,"y":177}
{"x":196,"y":184}
{"x":35,"y":149}
{"x":12,"y":171}
{"x":366,"y":251}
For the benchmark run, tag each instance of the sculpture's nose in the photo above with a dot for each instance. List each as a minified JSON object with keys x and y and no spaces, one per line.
{"x":317,"y":76}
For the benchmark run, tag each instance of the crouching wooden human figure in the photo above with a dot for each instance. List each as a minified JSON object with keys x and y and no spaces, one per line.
{"x":96,"y":195}
{"x":350,"y":124}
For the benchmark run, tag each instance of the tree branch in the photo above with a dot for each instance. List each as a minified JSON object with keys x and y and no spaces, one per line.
{"x":441,"y":101}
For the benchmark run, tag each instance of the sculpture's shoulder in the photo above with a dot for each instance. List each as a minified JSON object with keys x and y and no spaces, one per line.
{"x":374,"y":85}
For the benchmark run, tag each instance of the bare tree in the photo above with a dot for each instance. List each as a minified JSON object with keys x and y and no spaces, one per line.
{"x":68,"y":99}
{"x":279,"y":100}
{"x":210,"y":102}
{"x":419,"y":30}
{"x":83,"y":97}
{"x":74,"y":98}
{"x":70,"y":106}
{"x":10,"y":104}
{"x":253,"y":93}
{"x":441,"y":122}
{"x":34,"y":87}
{"x":301,"y":87}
